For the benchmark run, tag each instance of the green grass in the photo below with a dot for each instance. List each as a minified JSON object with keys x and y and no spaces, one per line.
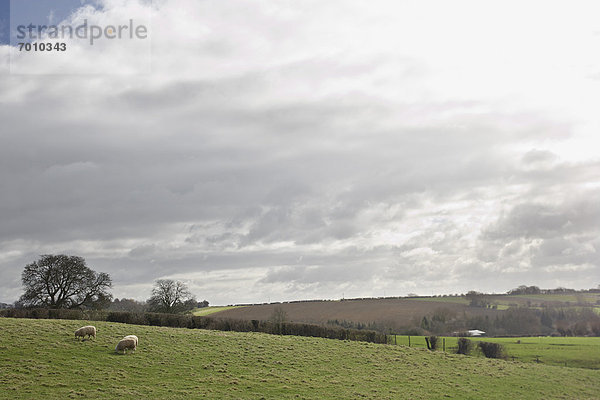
{"x":41,"y":359}
{"x":212,"y":310}
{"x":504,"y":301}
{"x":574,"y":298}
{"x":580,"y":352}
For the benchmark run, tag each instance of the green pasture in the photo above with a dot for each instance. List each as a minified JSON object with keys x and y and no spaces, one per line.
{"x":212,"y":310}
{"x":580,"y":352}
{"x":570,"y":298}
{"x":504,"y":302}
{"x":41,"y":359}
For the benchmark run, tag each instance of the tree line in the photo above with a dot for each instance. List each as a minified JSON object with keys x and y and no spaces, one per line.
{"x":66,"y":282}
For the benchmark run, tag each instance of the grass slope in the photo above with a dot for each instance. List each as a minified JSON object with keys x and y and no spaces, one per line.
{"x":41,"y":359}
{"x":212,"y":310}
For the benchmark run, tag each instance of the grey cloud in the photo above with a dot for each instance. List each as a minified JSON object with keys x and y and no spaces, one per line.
{"x":536,"y":220}
{"x":577,"y":251}
{"x":272,"y":151}
{"x":549,"y":242}
{"x":539,"y":156}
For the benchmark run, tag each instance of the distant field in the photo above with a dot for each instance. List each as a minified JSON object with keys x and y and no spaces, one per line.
{"x":212,"y":310}
{"x":40,"y":359}
{"x":444,"y":299}
{"x":505,"y":301}
{"x":580,"y":352}
{"x":550,"y":299}
{"x":398,"y":312}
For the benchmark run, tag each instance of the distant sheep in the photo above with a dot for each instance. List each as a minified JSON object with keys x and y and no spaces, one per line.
{"x":126,"y":344}
{"x":88,"y":331}
{"x":132,"y":337}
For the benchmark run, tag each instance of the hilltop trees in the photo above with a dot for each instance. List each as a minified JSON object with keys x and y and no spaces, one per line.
{"x":61,"y":281}
{"x":477,"y":299}
{"x":279,"y":316}
{"x":129,"y":305}
{"x":203,"y":304}
{"x":169,"y":296}
{"x":523,"y":289}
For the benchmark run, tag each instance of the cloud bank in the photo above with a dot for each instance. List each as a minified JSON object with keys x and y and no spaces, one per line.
{"x":293,"y":150}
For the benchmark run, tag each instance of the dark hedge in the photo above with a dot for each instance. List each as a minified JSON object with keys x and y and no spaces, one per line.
{"x":194,"y":322}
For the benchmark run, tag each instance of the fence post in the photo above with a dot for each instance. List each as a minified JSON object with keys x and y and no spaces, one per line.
{"x":444,"y":342}
{"x":409,"y":341}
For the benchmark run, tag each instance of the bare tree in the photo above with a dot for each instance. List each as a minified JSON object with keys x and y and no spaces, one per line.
{"x":61,"y":281}
{"x":169,"y":296}
{"x":278,"y":316}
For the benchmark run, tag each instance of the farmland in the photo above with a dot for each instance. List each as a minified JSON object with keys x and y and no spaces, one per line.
{"x":579,"y":352}
{"x":392,"y":311}
{"x":402,"y":315}
{"x":41,"y":359}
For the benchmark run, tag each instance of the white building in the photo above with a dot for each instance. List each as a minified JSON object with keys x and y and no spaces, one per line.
{"x":475,"y":332}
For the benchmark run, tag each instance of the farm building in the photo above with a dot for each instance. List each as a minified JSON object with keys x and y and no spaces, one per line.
{"x":476,"y":332}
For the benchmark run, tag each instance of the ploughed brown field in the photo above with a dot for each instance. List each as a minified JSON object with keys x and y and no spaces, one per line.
{"x":395,"y":313}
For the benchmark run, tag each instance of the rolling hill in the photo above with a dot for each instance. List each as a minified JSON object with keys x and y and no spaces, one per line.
{"x":42,"y":359}
{"x":405,"y":314}
{"x":392,"y":312}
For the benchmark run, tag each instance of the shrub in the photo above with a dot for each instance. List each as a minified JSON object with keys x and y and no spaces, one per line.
{"x":414,"y":331}
{"x":492,"y":350}
{"x":432,"y":342}
{"x":464,"y":346}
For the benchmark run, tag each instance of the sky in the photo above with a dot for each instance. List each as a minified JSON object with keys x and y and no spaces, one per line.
{"x":286,"y":150}
{"x":4,"y":22}
{"x":26,"y":12}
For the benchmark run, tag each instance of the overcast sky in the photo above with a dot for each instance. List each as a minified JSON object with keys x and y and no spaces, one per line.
{"x":283,"y":150}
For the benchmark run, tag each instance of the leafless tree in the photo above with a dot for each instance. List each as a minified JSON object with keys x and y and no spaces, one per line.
{"x":278,"y":316}
{"x":61,"y":281}
{"x":169,"y":296}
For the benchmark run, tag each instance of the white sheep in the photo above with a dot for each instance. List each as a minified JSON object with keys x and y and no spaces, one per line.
{"x":88,"y":331}
{"x":126,"y":344}
{"x":132,"y":337}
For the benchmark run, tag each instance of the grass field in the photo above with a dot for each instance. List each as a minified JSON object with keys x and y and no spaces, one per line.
{"x":41,"y":359}
{"x":503,"y":302}
{"x":212,"y":310}
{"x":580,"y":352}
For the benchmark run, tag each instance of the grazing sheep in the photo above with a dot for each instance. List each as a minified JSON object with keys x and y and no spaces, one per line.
{"x":88,"y":331}
{"x":126,"y":344}
{"x":132,"y":337}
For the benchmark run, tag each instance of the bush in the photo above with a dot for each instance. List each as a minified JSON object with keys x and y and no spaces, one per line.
{"x":492,"y":350}
{"x":464,"y":346}
{"x":432,"y":342}
{"x":414,"y":331}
